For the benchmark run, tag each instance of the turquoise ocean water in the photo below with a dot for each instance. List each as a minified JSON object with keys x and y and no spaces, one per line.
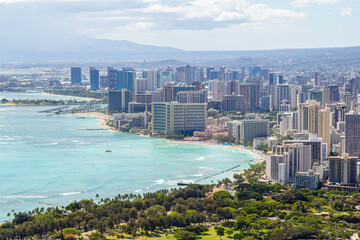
{"x":56,"y":159}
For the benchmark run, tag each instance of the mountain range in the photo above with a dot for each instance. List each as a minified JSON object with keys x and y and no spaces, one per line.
{"x":87,"y":50}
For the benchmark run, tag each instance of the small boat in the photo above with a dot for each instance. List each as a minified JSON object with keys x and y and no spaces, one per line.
{"x":108,"y":150}
{"x":181,"y":183}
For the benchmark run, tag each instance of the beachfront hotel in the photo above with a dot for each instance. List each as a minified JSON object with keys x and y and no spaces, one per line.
{"x":176,"y":117}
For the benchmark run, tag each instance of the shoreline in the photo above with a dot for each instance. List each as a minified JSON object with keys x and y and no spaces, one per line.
{"x":103,"y":118}
{"x":260,"y":157}
{"x":257,"y":154}
{"x":52,"y":94}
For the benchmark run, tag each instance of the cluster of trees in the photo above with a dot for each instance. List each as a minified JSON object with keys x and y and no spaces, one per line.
{"x":256,"y":211}
{"x":11,"y":89}
{"x":80,"y":93}
{"x":174,"y":136}
{"x":227,"y":139}
{"x":41,"y":102}
{"x":263,"y":148}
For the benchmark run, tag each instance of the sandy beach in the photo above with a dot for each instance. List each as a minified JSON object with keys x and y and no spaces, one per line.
{"x":257,"y":154}
{"x":104,"y":119}
{"x":8,"y":104}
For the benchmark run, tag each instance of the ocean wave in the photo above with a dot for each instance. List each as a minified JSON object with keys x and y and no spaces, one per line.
{"x":53,"y":143}
{"x":172,"y":182}
{"x":23,"y":197}
{"x":198,"y":175}
{"x":69,"y":193}
{"x":161,"y":147}
{"x":205,"y":169}
{"x":160,"y":181}
{"x":201,"y":159}
{"x":137,"y":191}
{"x":7,"y":139}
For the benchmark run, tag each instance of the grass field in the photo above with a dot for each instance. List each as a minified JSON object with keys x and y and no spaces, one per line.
{"x":209,"y":235}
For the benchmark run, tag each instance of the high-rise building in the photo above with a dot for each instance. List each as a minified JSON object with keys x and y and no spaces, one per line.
{"x":352,"y":134}
{"x":276,"y":78}
{"x":264,"y":74}
{"x":324,"y":126}
{"x":265,"y":104}
{"x":235,"y":75}
{"x":186,"y":74}
{"x":296,"y":158}
{"x":338,"y":111}
{"x":233,"y":103}
{"x":294,"y":93}
{"x":135,"y":107}
{"x":201,"y":75}
{"x":309,"y":180}
{"x":309,"y":116}
{"x":330,"y":94}
{"x":282,"y":93}
{"x":253,"y":128}
{"x":217,"y":90}
{"x":126,"y":79}
{"x":214,"y":75}
{"x":174,"y":117}
{"x":343,"y":169}
{"x":75,"y":76}
{"x":315,"y":95}
{"x":314,"y":142}
{"x":119,"y":100}
{"x":317,"y":79}
{"x":251,"y":93}
{"x":165,"y":77}
{"x":105,"y":82}
{"x":171,"y":90}
{"x":272,"y":167}
{"x":208,"y":72}
{"x":199,"y":96}
{"x":146,"y":99}
{"x":222,"y":73}
{"x":231,"y":87}
{"x":254,"y":72}
{"x":151,"y":76}
{"x":301,"y":97}
{"x":141,"y":85}
{"x":112,"y":75}
{"x":94,"y":79}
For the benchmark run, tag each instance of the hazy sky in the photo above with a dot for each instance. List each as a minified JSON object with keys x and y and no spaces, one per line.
{"x":188,"y":24}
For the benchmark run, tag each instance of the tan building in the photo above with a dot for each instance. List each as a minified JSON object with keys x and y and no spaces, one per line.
{"x":325,"y":127}
{"x":178,"y":117}
{"x":309,"y":116}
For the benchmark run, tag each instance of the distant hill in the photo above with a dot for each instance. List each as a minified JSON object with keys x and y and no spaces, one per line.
{"x":85,"y":50}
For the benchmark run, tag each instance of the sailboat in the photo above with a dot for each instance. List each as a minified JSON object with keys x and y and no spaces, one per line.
{"x":108,"y":150}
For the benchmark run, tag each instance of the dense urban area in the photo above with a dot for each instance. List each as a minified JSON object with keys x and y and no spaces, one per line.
{"x":302,"y":121}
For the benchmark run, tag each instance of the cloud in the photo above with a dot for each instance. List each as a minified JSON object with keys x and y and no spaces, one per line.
{"x":346,"y":11}
{"x":306,"y":3}
{"x":14,"y":1}
{"x":230,"y":16}
{"x":94,"y":18}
